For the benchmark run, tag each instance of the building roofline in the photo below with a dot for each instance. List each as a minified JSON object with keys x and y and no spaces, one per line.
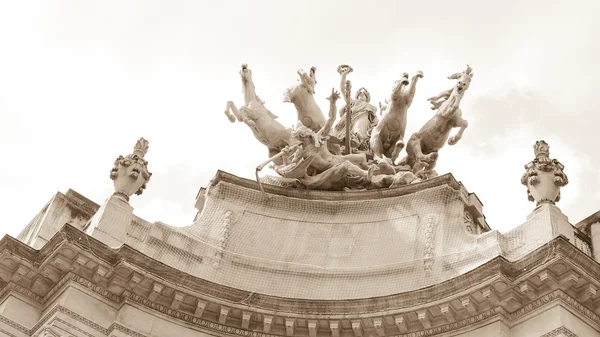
{"x":127,"y":257}
{"x":584,"y":224}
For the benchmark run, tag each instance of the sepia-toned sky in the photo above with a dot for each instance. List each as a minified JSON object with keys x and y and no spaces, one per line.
{"x":81,"y":81}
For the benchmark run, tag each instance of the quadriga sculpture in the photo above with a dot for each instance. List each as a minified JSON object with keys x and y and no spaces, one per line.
{"x":387,"y":138}
{"x":261,"y":121}
{"x":423,"y":146}
{"x":315,"y":167}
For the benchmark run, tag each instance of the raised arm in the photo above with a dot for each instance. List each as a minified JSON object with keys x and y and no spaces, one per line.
{"x":332,"y":109}
{"x":345,"y":86}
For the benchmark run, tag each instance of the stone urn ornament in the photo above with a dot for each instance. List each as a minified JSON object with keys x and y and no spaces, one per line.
{"x":544,"y":176}
{"x":130,"y":173}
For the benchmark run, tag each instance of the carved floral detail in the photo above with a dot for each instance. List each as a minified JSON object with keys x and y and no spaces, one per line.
{"x":562,"y":332}
{"x":224,"y":239}
{"x":469,"y":222}
{"x":430,"y":222}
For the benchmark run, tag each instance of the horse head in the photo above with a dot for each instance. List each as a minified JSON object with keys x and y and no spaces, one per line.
{"x":248,"y":85}
{"x":464,"y":80}
{"x":245,"y":75}
{"x":399,"y":84}
{"x":308,"y":80}
{"x":313,"y":77}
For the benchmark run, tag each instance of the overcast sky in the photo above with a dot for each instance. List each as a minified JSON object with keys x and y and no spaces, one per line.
{"x":81,"y":81}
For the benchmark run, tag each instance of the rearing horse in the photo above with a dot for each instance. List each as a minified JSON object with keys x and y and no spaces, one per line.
{"x":387,"y":138}
{"x":260,"y":120}
{"x":301,"y":95}
{"x":423,"y":146}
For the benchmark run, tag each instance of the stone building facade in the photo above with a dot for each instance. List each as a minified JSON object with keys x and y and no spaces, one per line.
{"x":418,"y":260}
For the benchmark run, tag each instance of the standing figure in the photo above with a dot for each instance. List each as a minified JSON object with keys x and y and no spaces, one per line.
{"x":387,"y":138}
{"x":423,"y":146}
{"x":363,"y":114}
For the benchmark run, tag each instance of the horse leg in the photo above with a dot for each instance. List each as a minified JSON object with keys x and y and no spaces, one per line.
{"x":397,"y":148}
{"x":443,"y":94}
{"x":412,"y":89}
{"x":414,"y":153}
{"x":430,"y":172}
{"x":463,"y":124}
{"x":376,"y":145}
{"x":243,"y":117}
{"x":231,"y":108}
{"x":418,"y":151}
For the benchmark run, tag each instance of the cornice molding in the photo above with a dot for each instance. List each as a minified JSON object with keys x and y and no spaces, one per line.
{"x":446,"y":179}
{"x":203,"y":324}
{"x":129,"y":268}
{"x":71,"y":238}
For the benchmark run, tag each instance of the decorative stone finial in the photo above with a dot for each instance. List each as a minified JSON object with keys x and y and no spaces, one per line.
{"x":544,"y":176}
{"x":542,"y":151}
{"x":141,"y":147}
{"x":130,"y":173}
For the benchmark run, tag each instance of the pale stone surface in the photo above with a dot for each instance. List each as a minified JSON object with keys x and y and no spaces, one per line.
{"x":538,"y":325}
{"x":112,"y":221}
{"x":138,"y":320}
{"x":71,"y":207}
{"x":555,"y":318}
{"x":80,"y":302}
{"x":558,"y":220}
{"x":20,"y":311}
{"x":576,"y":325}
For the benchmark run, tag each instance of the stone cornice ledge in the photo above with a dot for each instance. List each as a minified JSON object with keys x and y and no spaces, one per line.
{"x":202,"y":324}
{"x":168,"y":275}
{"x":446,"y":179}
